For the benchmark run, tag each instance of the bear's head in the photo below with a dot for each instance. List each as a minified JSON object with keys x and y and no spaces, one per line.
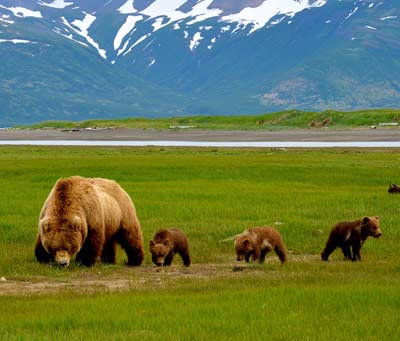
{"x":370,"y":227}
{"x":244,"y":247}
{"x":62,"y":239}
{"x":159,"y":251}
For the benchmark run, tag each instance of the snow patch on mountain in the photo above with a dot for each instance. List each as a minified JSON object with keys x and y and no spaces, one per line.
{"x":4,"y":19}
{"x":82,"y":27}
{"x":22,"y":12}
{"x":69,"y":36}
{"x":59,"y":4}
{"x":258,"y":17}
{"x":127,"y":8}
{"x":137,"y":42}
{"x":351,"y":13}
{"x":16,"y":41}
{"x":389,"y":17}
{"x":125,"y":29}
{"x":194,"y":43}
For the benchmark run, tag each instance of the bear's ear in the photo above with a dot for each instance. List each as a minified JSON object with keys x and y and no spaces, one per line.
{"x":151,"y":243}
{"x":44,"y":224}
{"x":365,"y":220}
{"x":246,"y":241}
{"x":76,"y":220}
{"x":377,"y":217}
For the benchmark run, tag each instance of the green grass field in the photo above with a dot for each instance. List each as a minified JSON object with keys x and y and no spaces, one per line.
{"x":280,"y":120}
{"x":211,"y":194}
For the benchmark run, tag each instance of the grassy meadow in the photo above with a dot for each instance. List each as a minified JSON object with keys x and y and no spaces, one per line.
{"x":292,"y":119}
{"x":211,"y":194}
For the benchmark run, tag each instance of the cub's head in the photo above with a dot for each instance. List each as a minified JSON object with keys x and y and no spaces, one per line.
{"x":62,"y":239}
{"x":370,"y":227}
{"x":159,"y":251}
{"x":243,"y":247}
{"x":393,"y":188}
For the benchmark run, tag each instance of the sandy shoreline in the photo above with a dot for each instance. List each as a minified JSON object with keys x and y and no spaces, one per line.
{"x":125,"y":134}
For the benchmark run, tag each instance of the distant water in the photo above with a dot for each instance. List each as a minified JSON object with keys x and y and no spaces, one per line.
{"x":299,"y":144}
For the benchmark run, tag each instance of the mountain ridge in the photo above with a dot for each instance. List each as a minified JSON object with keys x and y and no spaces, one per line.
{"x":153,"y":58}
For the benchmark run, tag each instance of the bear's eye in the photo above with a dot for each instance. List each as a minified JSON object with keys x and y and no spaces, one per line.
{"x":374,"y":228}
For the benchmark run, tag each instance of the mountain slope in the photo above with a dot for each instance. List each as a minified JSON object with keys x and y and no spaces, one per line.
{"x":68,"y":59}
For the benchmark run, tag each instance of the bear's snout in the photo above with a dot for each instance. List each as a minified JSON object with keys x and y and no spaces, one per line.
{"x":62,"y":258}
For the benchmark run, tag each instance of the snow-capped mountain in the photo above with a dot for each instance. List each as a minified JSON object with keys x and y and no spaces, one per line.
{"x":78,"y":59}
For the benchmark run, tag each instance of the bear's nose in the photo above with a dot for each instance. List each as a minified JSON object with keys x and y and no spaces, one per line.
{"x":63,"y":262}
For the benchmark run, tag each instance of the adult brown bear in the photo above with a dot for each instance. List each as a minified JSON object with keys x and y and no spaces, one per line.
{"x":87,"y":217}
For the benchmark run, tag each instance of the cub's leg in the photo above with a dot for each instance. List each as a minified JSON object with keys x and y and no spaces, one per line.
{"x":169,"y":258}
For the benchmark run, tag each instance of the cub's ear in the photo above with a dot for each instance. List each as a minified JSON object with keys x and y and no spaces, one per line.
{"x":377,"y":217}
{"x":167,"y":243}
{"x":365,"y":220}
{"x":246,"y":242}
{"x":151,"y":243}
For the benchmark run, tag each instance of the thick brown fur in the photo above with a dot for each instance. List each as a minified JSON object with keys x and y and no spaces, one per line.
{"x":394,"y":189}
{"x":350,"y":237}
{"x":166,"y":243}
{"x":87,"y":217}
{"x":256,"y":242}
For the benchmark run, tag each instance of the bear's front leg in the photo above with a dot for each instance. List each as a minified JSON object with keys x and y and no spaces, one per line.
{"x":169,"y":258}
{"x":356,"y":247}
{"x":40,"y":252}
{"x":346,"y":251}
{"x":91,"y":248}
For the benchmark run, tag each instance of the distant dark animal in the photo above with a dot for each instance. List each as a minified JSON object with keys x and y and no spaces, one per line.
{"x":351,"y":234}
{"x":256,"y":242}
{"x":166,"y":243}
{"x":393,"y":189}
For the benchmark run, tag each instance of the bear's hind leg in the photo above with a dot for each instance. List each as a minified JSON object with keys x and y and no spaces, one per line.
{"x":329,"y":248}
{"x":40,"y":252}
{"x":280,"y":250}
{"x":133,"y":245}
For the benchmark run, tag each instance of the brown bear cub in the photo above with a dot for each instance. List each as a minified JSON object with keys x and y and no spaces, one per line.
{"x":256,"y":242}
{"x":166,"y":243}
{"x":351,"y":234}
{"x":87,"y":217}
{"x":393,"y":189}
